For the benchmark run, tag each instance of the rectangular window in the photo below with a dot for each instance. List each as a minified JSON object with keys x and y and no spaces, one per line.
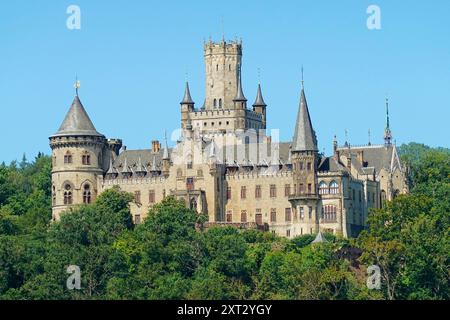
{"x":288,"y":233}
{"x":258,"y":192}
{"x":151,"y":196}
{"x":309,"y":188}
{"x":137,"y":196}
{"x":228,"y":193}
{"x":310,"y":209}
{"x":301,"y":188}
{"x":137,"y":218}
{"x":229,"y":216}
{"x":308,"y":166}
{"x":301,"y":165}
{"x":243,"y":192}
{"x":273,"y":215}
{"x":273,"y":191}
{"x":287,"y":213}
{"x":190,"y":183}
{"x":287,"y":190}
{"x":258,"y":219}
{"x":244,"y":216}
{"x":302,"y":213}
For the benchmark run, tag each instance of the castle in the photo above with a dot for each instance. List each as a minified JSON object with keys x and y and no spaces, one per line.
{"x":226,"y":166}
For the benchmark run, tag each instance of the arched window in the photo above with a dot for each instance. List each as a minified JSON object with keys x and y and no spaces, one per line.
{"x":193,"y":204}
{"x":217,"y":67}
{"x":68,"y":157}
{"x":86,"y":159}
{"x":215,"y":103}
{"x":67,"y":194}
{"x":334,"y":187}
{"x":87,"y":194}
{"x":323,"y":187}
{"x":220,"y":103}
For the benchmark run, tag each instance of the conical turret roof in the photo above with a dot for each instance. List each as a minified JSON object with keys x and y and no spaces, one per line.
{"x":239,"y":93}
{"x":304,"y":136}
{"x":187,"y":95}
{"x":259,"y":102}
{"x":77,"y":122}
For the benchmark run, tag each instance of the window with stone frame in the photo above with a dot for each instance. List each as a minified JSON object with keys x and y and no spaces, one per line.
{"x":258,"y":192}
{"x":87,"y":194}
{"x":137,"y":197}
{"x":273,"y":215}
{"x":287,"y":215}
{"x":243,"y":192}
{"x":287,"y":190}
{"x":68,"y":158}
{"x":273,"y":191}
{"x":244,"y":216}
{"x":151,"y":196}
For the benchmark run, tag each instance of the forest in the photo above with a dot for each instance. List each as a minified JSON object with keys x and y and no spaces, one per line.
{"x":171,"y":256}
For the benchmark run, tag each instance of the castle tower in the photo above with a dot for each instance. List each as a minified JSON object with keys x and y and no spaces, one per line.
{"x":187,"y":106}
{"x":222,"y":61}
{"x":259,"y":106}
{"x":78,"y":161}
{"x":305,"y":199}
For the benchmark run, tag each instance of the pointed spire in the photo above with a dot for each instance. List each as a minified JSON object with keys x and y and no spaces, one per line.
{"x":166,"y":148}
{"x":187,"y":95}
{"x":140,"y":168}
{"x":387,"y":130}
{"x":259,"y":102}
{"x":111,"y":171}
{"x":239,"y":93}
{"x":77,"y":122}
{"x":304,"y":136}
{"x":153,"y":167}
{"x":319,"y":238}
{"x":125,"y":168}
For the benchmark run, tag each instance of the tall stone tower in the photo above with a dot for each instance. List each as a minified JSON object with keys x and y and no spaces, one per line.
{"x":222,"y":63}
{"x":78,"y":160}
{"x":305,"y":199}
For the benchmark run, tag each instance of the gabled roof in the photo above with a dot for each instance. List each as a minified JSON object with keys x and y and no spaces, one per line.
{"x":77,"y":122}
{"x":304,"y":135}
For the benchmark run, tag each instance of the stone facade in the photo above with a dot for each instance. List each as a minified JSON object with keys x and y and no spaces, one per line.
{"x":226,"y":166}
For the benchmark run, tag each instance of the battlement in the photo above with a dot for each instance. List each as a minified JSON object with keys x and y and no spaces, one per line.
{"x":231,"y":47}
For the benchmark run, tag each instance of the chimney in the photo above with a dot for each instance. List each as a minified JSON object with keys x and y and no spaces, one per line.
{"x":156,"y":146}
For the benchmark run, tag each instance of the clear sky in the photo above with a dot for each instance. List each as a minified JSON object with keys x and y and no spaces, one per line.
{"x":132,"y":56}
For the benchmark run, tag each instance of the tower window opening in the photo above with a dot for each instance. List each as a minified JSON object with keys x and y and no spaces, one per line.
{"x":217,"y":67}
{"x":86,"y":159}
{"x":220,"y":103}
{"x":87,"y":194}
{"x":68,"y":157}
{"x":215,"y":103}
{"x":67,"y":194}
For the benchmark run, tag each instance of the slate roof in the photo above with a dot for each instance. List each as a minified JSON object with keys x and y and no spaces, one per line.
{"x":304,"y":135}
{"x":259,"y":102}
{"x":77,"y":122}
{"x":376,"y":156}
{"x":187,"y":95}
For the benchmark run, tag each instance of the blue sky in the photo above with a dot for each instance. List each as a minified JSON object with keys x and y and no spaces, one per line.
{"x":131,"y":58}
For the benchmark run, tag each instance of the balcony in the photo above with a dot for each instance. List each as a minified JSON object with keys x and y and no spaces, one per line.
{"x":303,"y":196}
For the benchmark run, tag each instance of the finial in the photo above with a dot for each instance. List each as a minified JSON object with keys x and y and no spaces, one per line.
{"x":223,"y":29}
{"x":369,"y":138}
{"x":259,"y":76}
{"x":303,"y":82}
{"x":387,"y":112}
{"x":77,"y":85}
